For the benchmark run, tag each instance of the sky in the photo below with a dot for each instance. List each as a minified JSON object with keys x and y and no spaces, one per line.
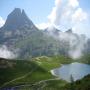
{"x":64,"y":14}
{"x":37,"y":10}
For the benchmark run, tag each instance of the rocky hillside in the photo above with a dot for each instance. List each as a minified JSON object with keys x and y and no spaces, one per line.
{"x":20,"y":35}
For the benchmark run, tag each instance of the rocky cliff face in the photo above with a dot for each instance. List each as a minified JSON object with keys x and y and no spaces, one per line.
{"x":17,"y":19}
{"x":19,"y":33}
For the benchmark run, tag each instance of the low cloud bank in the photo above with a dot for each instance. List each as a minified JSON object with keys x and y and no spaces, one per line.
{"x":68,"y":14}
{"x":6,"y":53}
{"x":2,"y":22}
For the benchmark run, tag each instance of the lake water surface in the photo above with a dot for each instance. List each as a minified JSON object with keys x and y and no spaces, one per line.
{"x":75,"y":70}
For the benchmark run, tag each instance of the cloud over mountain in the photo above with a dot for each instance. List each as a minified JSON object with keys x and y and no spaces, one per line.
{"x":6,"y":53}
{"x":68,"y":14}
{"x":42,"y":25}
{"x":1,"y":21}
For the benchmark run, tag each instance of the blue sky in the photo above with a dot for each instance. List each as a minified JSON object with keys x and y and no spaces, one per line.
{"x":37,"y":10}
{"x":43,"y":11}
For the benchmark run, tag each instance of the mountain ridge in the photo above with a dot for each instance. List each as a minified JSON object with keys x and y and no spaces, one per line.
{"x":16,"y":19}
{"x":19,"y":32}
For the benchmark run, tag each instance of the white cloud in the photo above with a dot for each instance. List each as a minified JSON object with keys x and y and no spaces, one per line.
{"x":67,"y":14}
{"x":42,"y":25}
{"x":52,"y":16}
{"x":55,"y":14}
{"x":57,"y":2}
{"x":5,"y":53}
{"x":82,"y":28}
{"x":79,"y":15}
{"x":1,"y":21}
{"x":73,"y":3}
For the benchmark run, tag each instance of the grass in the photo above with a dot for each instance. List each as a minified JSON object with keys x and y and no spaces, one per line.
{"x":49,"y":63}
{"x":33,"y":74}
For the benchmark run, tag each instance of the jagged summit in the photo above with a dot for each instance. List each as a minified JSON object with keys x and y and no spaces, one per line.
{"x":52,"y":30}
{"x":16,"y":19}
{"x":69,"y":31}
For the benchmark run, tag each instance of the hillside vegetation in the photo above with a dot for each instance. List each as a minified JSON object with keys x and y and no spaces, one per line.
{"x":30,"y":72}
{"x":35,"y":74}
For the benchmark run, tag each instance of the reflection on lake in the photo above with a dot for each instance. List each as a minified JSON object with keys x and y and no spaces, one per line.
{"x":76,"y":70}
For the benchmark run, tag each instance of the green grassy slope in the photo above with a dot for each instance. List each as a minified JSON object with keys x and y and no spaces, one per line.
{"x":30,"y":71}
{"x":33,"y":74}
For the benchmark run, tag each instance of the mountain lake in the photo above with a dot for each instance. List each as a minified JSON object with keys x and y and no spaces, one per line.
{"x":75,"y":71}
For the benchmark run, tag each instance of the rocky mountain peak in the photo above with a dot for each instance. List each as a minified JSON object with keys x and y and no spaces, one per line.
{"x":69,"y":31}
{"x":16,"y":19}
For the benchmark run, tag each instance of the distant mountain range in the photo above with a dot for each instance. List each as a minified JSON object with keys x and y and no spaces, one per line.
{"x":20,"y":34}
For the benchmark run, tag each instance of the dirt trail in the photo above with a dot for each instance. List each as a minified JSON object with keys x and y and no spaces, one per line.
{"x":21,"y":77}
